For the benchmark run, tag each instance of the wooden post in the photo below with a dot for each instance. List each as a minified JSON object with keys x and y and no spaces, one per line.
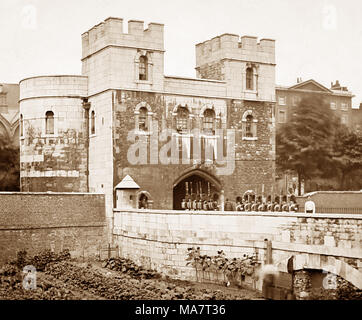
{"x":268,"y":252}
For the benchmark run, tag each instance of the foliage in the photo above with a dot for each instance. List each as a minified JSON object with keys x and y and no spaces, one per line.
{"x":347,"y":154}
{"x":127,"y":266}
{"x":304,"y":143}
{"x":230,"y":268}
{"x":9,"y":166}
{"x":39,"y":261}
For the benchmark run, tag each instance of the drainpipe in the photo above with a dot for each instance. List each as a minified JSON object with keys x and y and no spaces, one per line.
{"x":86,"y":107}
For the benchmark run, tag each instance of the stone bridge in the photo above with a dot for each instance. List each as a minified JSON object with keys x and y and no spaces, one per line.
{"x":160,"y":239}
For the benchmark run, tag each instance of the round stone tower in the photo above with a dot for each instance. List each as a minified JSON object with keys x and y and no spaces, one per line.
{"x":54,"y":134}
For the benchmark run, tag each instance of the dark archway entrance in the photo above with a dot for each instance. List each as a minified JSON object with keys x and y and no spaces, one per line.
{"x":195,"y":185}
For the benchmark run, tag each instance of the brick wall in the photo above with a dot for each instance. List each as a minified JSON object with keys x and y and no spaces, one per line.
{"x":160,"y":238}
{"x":56,"y":221}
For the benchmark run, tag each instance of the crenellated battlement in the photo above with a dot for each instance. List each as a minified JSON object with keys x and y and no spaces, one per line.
{"x":110,"y":32}
{"x":231,"y":46}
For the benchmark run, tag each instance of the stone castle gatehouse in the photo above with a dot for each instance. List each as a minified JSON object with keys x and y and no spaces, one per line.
{"x":75,"y":129}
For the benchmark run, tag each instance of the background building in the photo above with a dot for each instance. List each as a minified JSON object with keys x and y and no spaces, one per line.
{"x":339,"y":99}
{"x":357,"y":118}
{"x":9,"y":112}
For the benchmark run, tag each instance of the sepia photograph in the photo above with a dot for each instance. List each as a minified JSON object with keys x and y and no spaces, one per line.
{"x":181,"y":157}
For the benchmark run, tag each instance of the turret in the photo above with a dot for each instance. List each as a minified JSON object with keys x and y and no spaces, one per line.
{"x":111,"y":58}
{"x":248,"y":66}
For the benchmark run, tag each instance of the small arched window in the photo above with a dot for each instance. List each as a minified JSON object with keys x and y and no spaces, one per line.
{"x":93,"y":123}
{"x":209,"y":122}
{"x":182,"y":119}
{"x":21,"y":126}
{"x":49,"y":122}
{"x":142,"y":119}
{"x":143,"y":68}
{"x":248,"y":126}
{"x":249,"y":79}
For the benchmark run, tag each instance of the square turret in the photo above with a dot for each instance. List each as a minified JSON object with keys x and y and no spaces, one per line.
{"x":112,"y":58}
{"x":248,"y":66}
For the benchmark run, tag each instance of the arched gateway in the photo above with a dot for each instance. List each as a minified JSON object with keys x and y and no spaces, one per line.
{"x":196,"y":184}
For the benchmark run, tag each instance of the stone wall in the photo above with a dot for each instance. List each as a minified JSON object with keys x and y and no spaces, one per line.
{"x":160,"y":239}
{"x":55,"y":221}
{"x":334,"y":201}
{"x":211,"y":71}
{"x":254,"y":159}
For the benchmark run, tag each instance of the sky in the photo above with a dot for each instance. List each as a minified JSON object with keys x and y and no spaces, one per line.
{"x":315,"y":39}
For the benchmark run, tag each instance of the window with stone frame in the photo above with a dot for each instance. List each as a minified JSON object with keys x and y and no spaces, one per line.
{"x":282,"y":116}
{"x":143,"y":65}
{"x":249,"y":78}
{"x":49,"y":122}
{"x":281,"y":101}
{"x":209,"y":122}
{"x":142,"y":119}
{"x":333,"y":105}
{"x":249,"y":126}
{"x":344,"y":106}
{"x":182,"y":120}
{"x":93,"y":122}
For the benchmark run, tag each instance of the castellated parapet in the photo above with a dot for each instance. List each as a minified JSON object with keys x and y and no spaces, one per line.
{"x":110,"y":32}
{"x":228,"y":57}
{"x":111,"y":57}
{"x":231,"y":46}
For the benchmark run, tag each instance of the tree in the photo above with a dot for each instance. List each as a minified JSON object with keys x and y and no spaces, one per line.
{"x":304,"y":143}
{"x":9,"y":166}
{"x":347,"y":153}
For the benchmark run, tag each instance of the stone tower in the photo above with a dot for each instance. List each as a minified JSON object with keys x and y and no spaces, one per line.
{"x":248,"y":67}
{"x":112,"y":58}
{"x":53,"y":156}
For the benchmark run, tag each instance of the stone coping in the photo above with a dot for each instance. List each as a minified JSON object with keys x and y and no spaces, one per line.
{"x":55,"y":76}
{"x":194,"y":79}
{"x":243,"y":213}
{"x":330,"y":192}
{"x":50,"y":193}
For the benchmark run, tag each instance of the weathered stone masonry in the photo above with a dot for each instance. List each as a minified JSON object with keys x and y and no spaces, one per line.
{"x":330,"y":242}
{"x":112,"y":84}
{"x":51,"y":221}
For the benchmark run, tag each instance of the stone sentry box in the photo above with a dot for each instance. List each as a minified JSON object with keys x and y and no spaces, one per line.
{"x":126,"y":190}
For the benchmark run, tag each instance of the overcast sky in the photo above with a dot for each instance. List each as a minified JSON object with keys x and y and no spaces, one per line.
{"x":315,"y":39}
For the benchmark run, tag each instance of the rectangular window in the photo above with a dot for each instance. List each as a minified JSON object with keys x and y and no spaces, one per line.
{"x":282,"y":101}
{"x":333,"y":106}
{"x":344,"y":106}
{"x":282,"y":117}
{"x":296,"y":100}
{"x":344,"y":119}
{"x":181,"y":124}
